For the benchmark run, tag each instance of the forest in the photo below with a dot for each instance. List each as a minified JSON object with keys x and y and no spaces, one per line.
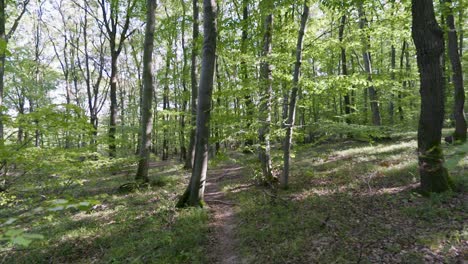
{"x":237,"y":131}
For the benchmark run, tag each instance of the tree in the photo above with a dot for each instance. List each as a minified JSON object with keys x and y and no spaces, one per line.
{"x":146,"y":124}
{"x":292,"y":103}
{"x":194,"y":88}
{"x":429,"y":41}
{"x":366,"y":55}
{"x":266,"y":80}
{"x":111,"y":20}
{"x":344,"y":67}
{"x":457,"y":76}
{"x":4,"y":38}
{"x":193,"y":196}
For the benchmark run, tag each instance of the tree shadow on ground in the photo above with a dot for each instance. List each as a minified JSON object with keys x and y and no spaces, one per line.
{"x":351,"y":211}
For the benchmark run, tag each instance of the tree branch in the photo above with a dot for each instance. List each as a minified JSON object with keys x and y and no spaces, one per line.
{"x":17,"y":20}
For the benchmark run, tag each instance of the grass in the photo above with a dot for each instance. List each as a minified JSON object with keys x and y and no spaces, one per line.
{"x":348,"y":202}
{"x":138,"y":227}
{"x":352,"y":202}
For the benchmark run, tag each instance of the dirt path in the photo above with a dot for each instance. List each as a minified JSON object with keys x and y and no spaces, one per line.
{"x":224,"y":247}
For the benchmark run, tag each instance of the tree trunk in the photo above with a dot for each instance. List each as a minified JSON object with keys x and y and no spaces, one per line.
{"x":391,"y":108}
{"x":4,"y":37}
{"x":3,"y":47}
{"x":193,"y":77}
{"x":146,"y":125}
{"x":457,"y":76}
{"x":165,"y":147}
{"x":292,"y":104}
{"x":244,"y":75}
{"x":400,"y":95}
{"x":429,"y":41}
{"x":344,"y":68}
{"x":374,"y":100}
{"x":266,"y":80}
{"x":193,"y":196}
{"x":183,"y":149}
{"x":111,"y":22}
{"x":113,"y":106}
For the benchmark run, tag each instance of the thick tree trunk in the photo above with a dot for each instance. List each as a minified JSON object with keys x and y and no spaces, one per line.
{"x":457,"y":76}
{"x":195,"y":191}
{"x":429,"y":42}
{"x":373,"y":97}
{"x":146,"y":125}
{"x":193,"y":78}
{"x":266,"y":91}
{"x":292,"y":104}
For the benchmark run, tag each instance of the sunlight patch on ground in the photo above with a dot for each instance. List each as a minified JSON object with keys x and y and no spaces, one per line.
{"x":396,"y":190}
{"x":94,"y":216}
{"x":378,"y":149}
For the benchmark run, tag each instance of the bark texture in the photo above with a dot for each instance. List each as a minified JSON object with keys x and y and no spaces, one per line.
{"x":146,"y":125}
{"x":457,"y":77}
{"x":429,"y":41}
{"x":195,"y":191}
{"x":194,"y":84}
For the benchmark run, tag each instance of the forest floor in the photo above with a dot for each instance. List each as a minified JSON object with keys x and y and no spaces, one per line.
{"x":223,"y":244}
{"x":348,"y":202}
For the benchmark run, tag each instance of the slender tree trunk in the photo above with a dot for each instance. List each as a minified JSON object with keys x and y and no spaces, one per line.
{"x":344,"y":68}
{"x":400,"y":95}
{"x":429,"y":42}
{"x":146,"y":125}
{"x":457,"y":76}
{"x":3,"y":47}
{"x":244,"y":75}
{"x":372,"y":93}
{"x":292,"y":104}
{"x":165,"y":147}
{"x":4,"y":37}
{"x":193,"y":196}
{"x":194,"y":84}
{"x":285,"y":106}
{"x":266,"y":80}
{"x":183,"y":149}
{"x":111,"y":22}
{"x":391,"y":108}
{"x":113,"y":106}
